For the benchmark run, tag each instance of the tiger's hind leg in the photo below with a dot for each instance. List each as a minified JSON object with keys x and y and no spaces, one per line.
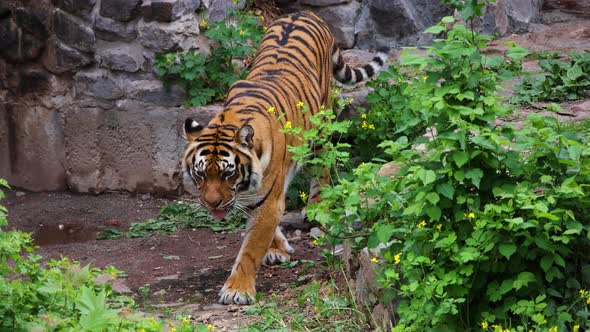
{"x":279,"y":250}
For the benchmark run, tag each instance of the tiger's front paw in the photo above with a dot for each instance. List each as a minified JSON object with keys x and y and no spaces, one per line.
{"x":276,"y":256}
{"x":237,"y":290}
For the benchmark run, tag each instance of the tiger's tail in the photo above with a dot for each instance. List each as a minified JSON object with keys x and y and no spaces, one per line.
{"x":346,"y":74}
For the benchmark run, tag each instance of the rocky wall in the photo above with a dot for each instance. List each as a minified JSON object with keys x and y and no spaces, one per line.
{"x":81,"y":109}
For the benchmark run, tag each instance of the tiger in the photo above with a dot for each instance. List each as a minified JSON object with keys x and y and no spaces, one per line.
{"x":240,"y":160}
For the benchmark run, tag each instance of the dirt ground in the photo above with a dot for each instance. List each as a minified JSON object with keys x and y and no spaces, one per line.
{"x":184,"y":270}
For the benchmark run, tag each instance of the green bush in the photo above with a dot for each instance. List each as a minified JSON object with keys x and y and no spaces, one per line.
{"x":64,"y":296}
{"x":207,"y":78}
{"x":556,"y":81}
{"x":483,"y":226}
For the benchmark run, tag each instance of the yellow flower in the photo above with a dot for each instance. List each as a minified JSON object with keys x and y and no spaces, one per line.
{"x":372,"y":126}
{"x":425,"y":78}
{"x":172,"y":329}
{"x":242,"y":32}
{"x":152,"y":320}
{"x":265,"y":28}
{"x":588,"y":300}
{"x":374,"y":260}
{"x":142,"y":330}
{"x":439,"y":227}
{"x":397,"y":258}
{"x":303,"y":196}
{"x":315,"y":242}
{"x":271,"y":109}
{"x":210,"y":327}
{"x":185,"y":320}
{"x":236,"y":2}
{"x":484,"y":325}
{"x":204,"y":22}
{"x":288,"y":125}
{"x":168,"y":60}
{"x":421,"y":224}
{"x":553,"y":329}
{"x":336,"y":91}
{"x":261,"y":17}
{"x":471,"y":215}
{"x":364,"y":116}
{"x":322,"y":107}
{"x":349,"y":100}
{"x":506,"y":330}
{"x":300,"y":104}
{"x":399,"y":79}
{"x":582,"y":292}
{"x":364,"y":125}
{"x":576,"y":328}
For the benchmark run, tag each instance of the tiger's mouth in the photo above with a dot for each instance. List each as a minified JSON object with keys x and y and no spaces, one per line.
{"x":218,"y":214}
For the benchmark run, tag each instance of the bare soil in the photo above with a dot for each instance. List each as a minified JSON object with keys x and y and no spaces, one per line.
{"x":184,"y":270}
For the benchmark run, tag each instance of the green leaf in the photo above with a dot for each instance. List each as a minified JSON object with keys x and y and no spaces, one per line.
{"x":447,"y":20}
{"x":574,"y":72}
{"x":433,"y":212}
{"x":446,"y":189}
{"x":427,"y":176}
{"x":546,"y":262}
{"x":460,"y":158}
{"x":507,"y":249}
{"x":432,"y":197}
{"x":384,"y":233}
{"x":517,"y":53}
{"x":435,"y":29}
{"x":475,"y":175}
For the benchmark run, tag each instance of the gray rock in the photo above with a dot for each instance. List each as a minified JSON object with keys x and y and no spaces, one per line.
{"x":217,"y":9}
{"x":4,"y":9}
{"x":111,"y":30}
{"x":393,"y":23}
{"x":162,"y":37}
{"x":31,"y":21}
{"x":316,"y":233}
{"x":59,"y":58}
{"x":120,"y":10}
{"x":322,"y":3}
{"x":341,"y":20}
{"x":79,"y":7}
{"x":73,"y":31}
{"x":154,"y":92}
{"x":295,"y":220}
{"x":121,"y":56}
{"x":168,"y":10}
{"x":32,"y":147}
{"x":511,"y":16}
{"x":17,"y":45}
{"x":97,"y":83}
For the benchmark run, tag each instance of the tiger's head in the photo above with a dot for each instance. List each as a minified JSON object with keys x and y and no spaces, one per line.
{"x":221,"y":161}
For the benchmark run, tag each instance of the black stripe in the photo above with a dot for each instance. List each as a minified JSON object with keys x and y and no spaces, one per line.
{"x":369,"y":70}
{"x":347,"y":74}
{"x":259,"y":203}
{"x":359,"y":74}
{"x":378,"y":60}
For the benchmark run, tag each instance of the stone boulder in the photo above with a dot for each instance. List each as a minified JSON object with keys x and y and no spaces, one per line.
{"x":60,"y":58}
{"x":97,"y":83}
{"x":217,"y":9}
{"x":121,"y":56}
{"x":341,"y":20}
{"x":164,"y":37}
{"x":111,"y":30}
{"x":511,"y":16}
{"x":120,"y":10}
{"x":167,"y":10}
{"x":395,"y":23}
{"x":73,"y":31}
{"x":79,"y":7}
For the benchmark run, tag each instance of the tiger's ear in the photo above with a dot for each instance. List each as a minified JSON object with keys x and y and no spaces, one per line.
{"x":191,"y":129}
{"x":245,"y":135}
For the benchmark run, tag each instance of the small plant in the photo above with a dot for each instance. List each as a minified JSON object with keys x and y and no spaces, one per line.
{"x":179,"y":215}
{"x":64,"y":296}
{"x":557,"y":81}
{"x":207,"y":78}
{"x":319,"y":307}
